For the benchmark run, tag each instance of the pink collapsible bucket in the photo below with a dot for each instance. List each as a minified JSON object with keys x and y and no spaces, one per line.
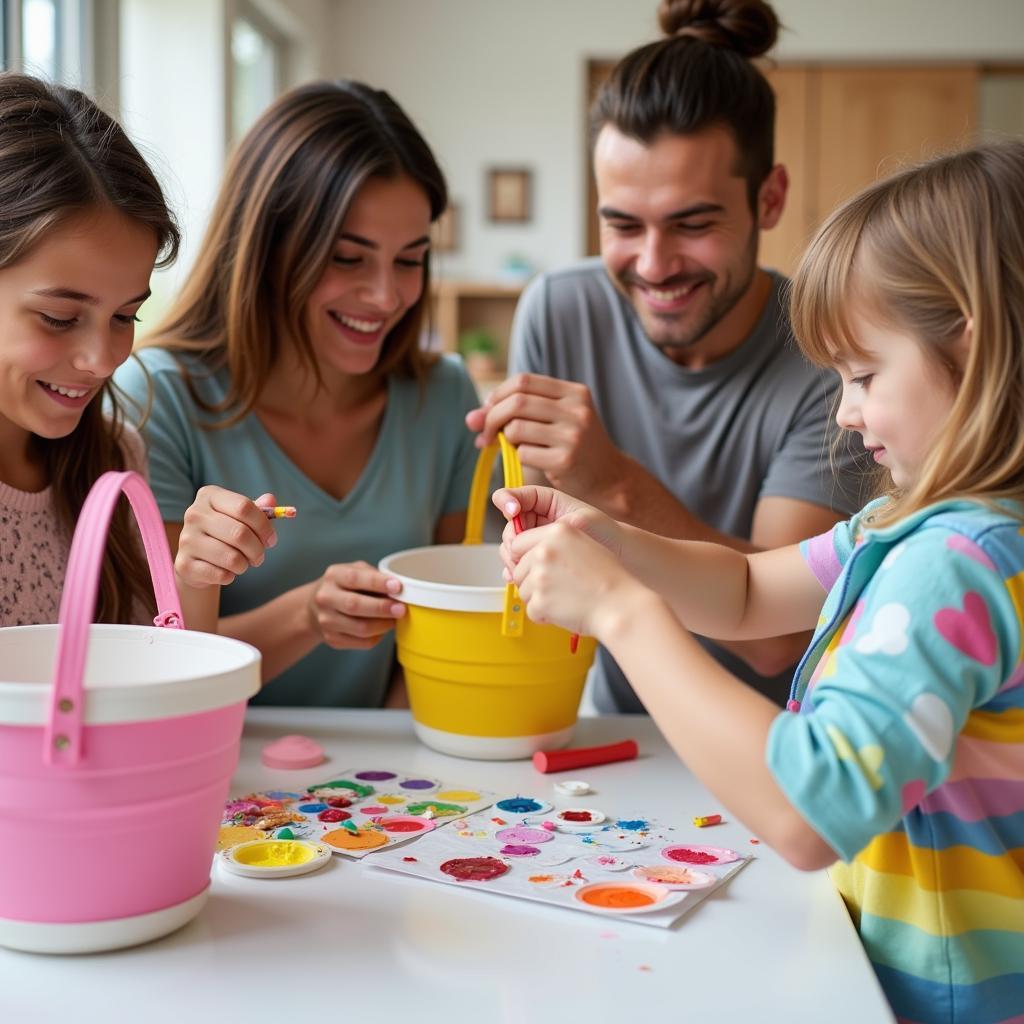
{"x":117,"y":747}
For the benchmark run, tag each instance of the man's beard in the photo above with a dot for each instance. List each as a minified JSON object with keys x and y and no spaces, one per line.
{"x":686,"y":336}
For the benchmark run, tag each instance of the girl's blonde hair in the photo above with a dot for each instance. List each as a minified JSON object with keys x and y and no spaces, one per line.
{"x":935,"y":251}
{"x":273,"y":229}
{"x":59,"y":155}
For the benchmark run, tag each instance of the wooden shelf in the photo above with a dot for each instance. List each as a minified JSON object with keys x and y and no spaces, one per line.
{"x":460,"y":306}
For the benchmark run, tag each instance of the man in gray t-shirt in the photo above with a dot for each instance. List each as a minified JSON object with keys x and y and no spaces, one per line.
{"x":660,"y":383}
{"x":724,"y":437}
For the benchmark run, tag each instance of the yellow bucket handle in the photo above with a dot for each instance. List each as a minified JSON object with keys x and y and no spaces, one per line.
{"x":512,"y":616}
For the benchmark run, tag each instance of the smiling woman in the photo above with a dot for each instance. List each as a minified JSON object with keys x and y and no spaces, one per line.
{"x":290,"y":368}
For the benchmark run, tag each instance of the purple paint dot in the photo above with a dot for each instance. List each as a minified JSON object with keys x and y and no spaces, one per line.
{"x":312,"y":808}
{"x":522,"y":835}
{"x":519,"y":851}
{"x":417,"y":784}
{"x":374,"y":776}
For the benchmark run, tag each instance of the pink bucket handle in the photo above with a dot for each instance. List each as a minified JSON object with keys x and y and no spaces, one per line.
{"x":63,"y":736}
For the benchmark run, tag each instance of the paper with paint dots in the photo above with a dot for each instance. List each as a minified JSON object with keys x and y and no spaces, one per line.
{"x":356,"y":812}
{"x":515,"y":849}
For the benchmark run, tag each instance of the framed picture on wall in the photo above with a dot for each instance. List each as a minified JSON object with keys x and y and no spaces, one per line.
{"x":444,"y":235}
{"x":508,"y":195}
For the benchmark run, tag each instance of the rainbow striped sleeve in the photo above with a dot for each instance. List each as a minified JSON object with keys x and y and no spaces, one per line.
{"x":909,"y":762}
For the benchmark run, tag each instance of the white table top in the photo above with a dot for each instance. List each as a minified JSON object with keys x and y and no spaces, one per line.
{"x":773,"y":945}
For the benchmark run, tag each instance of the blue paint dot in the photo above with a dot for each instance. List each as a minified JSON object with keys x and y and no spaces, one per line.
{"x":280,"y":794}
{"x":639,"y":825}
{"x":312,"y":808}
{"x":518,"y":805}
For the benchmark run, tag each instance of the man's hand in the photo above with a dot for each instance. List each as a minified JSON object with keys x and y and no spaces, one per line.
{"x":556,"y":430}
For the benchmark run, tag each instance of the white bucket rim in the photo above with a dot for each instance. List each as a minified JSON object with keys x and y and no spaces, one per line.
{"x":446,"y":596}
{"x":28,"y":703}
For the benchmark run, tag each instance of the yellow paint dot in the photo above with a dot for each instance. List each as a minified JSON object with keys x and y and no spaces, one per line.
{"x":458,"y":794}
{"x":270,"y":854}
{"x":391,"y":798}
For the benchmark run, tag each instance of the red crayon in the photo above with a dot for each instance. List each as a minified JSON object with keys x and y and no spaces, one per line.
{"x":574,"y":638}
{"x":707,"y":819}
{"x":584,"y":757}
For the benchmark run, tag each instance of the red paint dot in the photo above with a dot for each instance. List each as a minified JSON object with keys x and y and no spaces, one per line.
{"x":692,"y":856}
{"x":333,"y":814}
{"x":756,"y":842}
{"x":474,"y":869}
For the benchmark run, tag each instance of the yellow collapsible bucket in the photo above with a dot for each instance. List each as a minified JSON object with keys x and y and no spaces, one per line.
{"x":483,"y":681}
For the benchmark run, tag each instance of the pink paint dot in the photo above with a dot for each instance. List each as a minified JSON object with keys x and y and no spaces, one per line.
{"x":373,"y":810}
{"x":912,"y":794}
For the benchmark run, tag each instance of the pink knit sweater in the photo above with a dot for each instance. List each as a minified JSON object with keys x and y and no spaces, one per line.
{"x":34,"y":549}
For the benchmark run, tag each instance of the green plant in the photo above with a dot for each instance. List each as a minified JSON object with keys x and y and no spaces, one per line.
{"x":477,"y":341}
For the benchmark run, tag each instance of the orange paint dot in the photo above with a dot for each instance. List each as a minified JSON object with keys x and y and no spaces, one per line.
{"x":361,"y":839}
{"x":617,"y":898}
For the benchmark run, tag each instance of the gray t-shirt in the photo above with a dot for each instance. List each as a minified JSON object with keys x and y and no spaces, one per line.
{"x":754,"y":424}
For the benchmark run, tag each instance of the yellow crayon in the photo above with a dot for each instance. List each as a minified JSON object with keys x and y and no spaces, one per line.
{"x":278,"y":511}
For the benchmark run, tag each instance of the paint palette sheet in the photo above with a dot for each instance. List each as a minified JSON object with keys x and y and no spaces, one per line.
{"x":355,"y":813}
{"x":636,"y":869}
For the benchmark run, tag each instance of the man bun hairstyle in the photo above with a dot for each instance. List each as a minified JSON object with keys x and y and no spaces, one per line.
{"x":699,"y":76}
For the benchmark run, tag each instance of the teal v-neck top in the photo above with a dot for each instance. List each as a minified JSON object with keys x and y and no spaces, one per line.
{"x":420,"y":469}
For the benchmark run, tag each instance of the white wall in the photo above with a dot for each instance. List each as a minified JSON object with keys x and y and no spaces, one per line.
{"x":491,"y":82}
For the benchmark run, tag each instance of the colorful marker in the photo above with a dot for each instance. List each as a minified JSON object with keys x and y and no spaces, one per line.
{"x":707,"y":819}
{"x":278,"y":511}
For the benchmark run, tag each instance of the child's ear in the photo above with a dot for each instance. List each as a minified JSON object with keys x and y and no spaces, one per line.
{"x":961,"y":348}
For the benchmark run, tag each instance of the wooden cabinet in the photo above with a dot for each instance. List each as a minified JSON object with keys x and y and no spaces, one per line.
{"x":462,"y":306}
{"x":840,"y":127}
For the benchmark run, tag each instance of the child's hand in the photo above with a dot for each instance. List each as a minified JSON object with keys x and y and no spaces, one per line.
{"x":353,"y":606}
{"x":541,"y":506}
{"x":224,"y":533}
{"x":566,"y":578}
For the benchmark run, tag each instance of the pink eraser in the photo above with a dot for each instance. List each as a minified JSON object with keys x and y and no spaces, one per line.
{"x":584,"y":757}
{"x":292,"y":752}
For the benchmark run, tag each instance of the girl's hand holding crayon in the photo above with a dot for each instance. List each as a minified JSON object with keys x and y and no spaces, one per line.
{"x":566,"y":562}
{"x":223,"y":535}
{"x":542,"y":506}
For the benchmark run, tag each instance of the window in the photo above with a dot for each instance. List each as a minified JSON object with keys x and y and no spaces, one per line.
{"x":50,"y":38}
{"x":257,"y":56}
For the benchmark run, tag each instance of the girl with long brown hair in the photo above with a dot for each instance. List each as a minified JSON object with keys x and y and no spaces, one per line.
{"x":291,"y":364}
{"x":82,"y":220}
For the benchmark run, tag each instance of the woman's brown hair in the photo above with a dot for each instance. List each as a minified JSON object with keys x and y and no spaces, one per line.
{"x":59,"y":155}
{"x":700,"y":76}
{"x":286,"y":191}
{"x":936,"y":252}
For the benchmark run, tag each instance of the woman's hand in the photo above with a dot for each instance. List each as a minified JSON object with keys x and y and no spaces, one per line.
{"x":353,"y":605}
{"x":542,"y":506}
{"x":223,"y":535}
